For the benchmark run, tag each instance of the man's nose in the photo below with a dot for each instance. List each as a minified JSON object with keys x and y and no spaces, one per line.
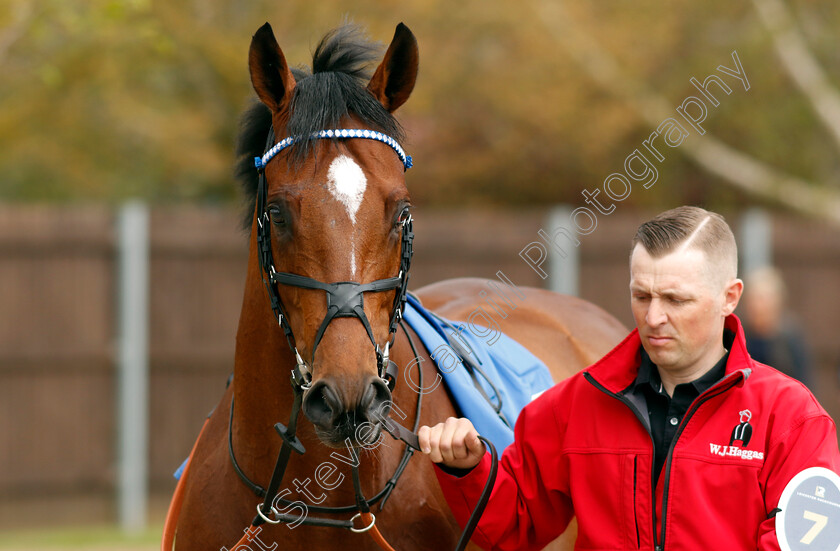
{"x":656,"y":315}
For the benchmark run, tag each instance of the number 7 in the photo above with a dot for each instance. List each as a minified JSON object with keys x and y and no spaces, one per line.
{"x":819,"y":523}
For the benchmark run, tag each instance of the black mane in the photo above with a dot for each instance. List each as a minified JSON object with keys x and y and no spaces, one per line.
{"x":333,"y":88}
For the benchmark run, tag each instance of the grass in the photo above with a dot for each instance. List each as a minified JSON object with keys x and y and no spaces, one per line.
{"x":78,"y":539}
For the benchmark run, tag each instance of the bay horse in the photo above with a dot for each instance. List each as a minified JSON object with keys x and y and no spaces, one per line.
{"x":329,"y":216}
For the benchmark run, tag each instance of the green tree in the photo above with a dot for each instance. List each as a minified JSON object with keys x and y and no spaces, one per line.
{"x":516,"y":103}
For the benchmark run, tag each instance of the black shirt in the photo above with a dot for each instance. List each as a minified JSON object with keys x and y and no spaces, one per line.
{"x":666,"y":412}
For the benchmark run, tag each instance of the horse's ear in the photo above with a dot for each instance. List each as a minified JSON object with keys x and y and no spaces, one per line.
{"x":270,"y":75}
{"x":394,"y":79}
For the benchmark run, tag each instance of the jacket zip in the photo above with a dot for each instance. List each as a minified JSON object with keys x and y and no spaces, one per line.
{"x":635,"y":516}
{"x":716,"y":390}
{"x":713,"y":392}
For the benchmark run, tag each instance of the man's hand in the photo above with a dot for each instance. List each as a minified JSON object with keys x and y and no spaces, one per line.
{"x":454,"y":443}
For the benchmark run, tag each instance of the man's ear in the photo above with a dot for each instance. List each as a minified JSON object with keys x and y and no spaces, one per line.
{"x":731,"y":295}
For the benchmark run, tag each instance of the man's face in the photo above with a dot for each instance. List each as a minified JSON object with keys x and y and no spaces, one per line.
{"x":679,"y":304}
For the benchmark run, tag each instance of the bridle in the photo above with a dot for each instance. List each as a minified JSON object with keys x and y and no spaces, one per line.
{"x":344,"y":299}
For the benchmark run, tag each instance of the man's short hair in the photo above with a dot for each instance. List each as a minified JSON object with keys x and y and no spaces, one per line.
{"x":694,"y":227}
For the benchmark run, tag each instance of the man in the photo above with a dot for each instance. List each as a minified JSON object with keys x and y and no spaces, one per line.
{"x":773,"y":337}
{"x":676,"y":439}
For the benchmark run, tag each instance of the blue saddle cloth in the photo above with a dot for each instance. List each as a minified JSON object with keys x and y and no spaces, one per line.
{"x":474,"y":370}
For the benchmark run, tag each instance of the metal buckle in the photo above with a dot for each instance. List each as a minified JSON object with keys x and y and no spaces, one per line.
{"x":274,"y":511}
{"x":304,"y":371}
{"x":386,"y":354}
{"x":366,"y":528}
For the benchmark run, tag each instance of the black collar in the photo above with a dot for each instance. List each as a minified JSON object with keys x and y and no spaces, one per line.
{"x":649,"y":373}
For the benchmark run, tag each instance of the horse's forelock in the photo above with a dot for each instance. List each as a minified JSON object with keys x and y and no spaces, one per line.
{"x":346,"y":50}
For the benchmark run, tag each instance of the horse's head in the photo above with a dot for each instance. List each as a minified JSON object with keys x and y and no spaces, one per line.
{"x":334,"y":210}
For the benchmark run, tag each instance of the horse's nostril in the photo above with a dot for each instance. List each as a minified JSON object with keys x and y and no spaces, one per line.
{"x":376,"y":401}
{"x":321,"y":404}
{"x":368,"y":398}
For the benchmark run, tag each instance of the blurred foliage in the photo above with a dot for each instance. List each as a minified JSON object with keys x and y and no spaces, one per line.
{"x":106,"y":99}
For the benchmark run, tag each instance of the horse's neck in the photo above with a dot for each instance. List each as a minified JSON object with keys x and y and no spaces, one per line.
{"x":262,"y":367}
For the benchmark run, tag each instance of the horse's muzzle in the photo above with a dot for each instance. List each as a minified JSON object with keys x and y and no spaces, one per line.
{"x":337,"y":419}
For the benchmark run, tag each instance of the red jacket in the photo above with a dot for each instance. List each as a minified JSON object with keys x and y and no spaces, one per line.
{"x":581,"y":449}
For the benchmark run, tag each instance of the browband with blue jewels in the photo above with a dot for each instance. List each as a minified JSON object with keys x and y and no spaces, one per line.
{"x":260,"y":162}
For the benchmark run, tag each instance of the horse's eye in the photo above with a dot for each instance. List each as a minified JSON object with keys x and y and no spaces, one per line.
{"x":277,"y":217}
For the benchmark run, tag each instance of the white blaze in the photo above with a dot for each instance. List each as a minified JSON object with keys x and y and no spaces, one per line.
{"x":347,"y":183}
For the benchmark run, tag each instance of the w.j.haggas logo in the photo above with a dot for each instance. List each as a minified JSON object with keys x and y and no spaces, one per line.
{"x":743,"y":431}
{"x":741,"y":435}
